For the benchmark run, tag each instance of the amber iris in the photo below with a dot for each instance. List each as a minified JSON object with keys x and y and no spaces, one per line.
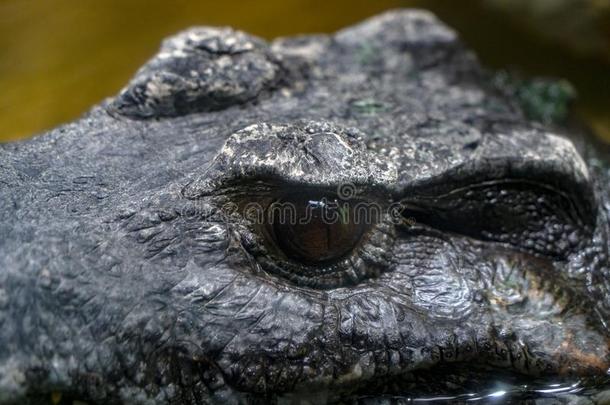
{"x":315,"y":230}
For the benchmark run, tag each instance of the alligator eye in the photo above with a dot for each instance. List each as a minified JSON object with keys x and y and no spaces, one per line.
{"x":312,"y":238}
{"x":315,"y":230}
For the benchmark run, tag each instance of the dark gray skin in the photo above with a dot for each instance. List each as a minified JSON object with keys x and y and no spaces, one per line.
{"x":123,"y":281}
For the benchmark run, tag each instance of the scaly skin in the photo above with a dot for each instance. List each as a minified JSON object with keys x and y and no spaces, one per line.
{"x":124,"y":280}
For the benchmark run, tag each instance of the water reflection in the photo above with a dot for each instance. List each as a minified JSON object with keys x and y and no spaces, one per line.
{"x":596,"y":389}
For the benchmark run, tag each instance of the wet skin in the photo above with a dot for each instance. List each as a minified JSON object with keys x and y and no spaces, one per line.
{"x":131,"y":270}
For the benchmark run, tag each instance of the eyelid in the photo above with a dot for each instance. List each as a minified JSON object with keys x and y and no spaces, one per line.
{"x":581,"y":202}
{"x":523,"y":213}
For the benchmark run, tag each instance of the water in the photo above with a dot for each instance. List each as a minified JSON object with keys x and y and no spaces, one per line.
{"x":585,"y":391}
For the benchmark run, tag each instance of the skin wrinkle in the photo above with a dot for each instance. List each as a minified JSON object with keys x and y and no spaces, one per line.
{"x":162,"y":298}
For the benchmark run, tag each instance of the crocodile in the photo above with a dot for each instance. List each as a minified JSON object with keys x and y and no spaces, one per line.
{"x":359,"y":216}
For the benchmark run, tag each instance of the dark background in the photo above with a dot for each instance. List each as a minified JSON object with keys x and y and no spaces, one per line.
{"x":59,"y":57}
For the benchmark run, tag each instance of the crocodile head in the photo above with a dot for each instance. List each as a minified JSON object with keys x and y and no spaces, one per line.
{"x":317,"y":218}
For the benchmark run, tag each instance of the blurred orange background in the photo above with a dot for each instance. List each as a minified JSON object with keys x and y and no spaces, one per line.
{"x":59,"y":57}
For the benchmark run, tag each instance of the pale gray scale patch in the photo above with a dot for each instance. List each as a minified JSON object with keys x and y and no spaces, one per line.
{"x":450,"y":147}
{"x":416,"y":37}
{"x":201,"y":69}
{"x":312,"y":153}
{"x":399,"y":28}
